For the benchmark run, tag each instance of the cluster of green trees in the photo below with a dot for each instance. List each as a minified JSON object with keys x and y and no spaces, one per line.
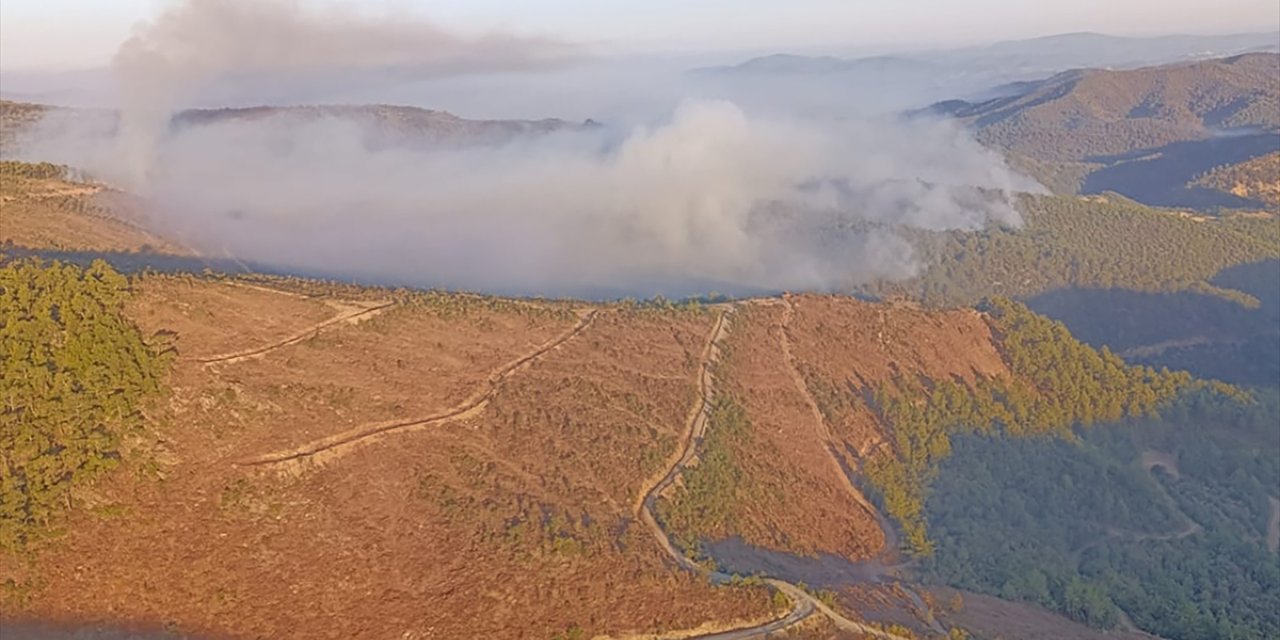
{"x":73,"y":374}
{"x":1081,"y":527}
{"x":1084,"y":242}
{"x":712,"y":491}
{"x":1058,"y":382}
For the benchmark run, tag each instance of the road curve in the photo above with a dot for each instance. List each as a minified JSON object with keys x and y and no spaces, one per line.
{"x":828,"y":440}
{"x":804,"y":604}
{"x":469,"y":407}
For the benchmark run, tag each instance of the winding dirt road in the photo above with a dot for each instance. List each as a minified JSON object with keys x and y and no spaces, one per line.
{"x":696,"y":427}
{"x":336,"y":445}
{"x":695,"y":430}
{"x":1148,"y":460}
{"x":824,"y":431}
{"x":828,"y":440}
{"x":355,"y":313}
{"x":697,"y":423}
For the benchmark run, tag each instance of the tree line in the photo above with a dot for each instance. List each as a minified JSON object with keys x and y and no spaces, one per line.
{"x":1057,"y":384}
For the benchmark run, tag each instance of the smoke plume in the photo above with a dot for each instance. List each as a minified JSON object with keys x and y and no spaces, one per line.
{"x":197,"y":43}
{"x":706,"y":197}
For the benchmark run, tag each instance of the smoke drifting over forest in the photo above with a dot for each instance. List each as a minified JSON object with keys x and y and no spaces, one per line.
{"x":706,"y":196}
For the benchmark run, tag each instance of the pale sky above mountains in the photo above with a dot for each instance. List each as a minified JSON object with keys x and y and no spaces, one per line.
{"x":75,"y":34}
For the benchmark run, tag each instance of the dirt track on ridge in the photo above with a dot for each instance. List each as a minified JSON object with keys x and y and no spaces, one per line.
{"x":336,"y":445}
{"x":356,"y":313}
{"x":699,"y":417}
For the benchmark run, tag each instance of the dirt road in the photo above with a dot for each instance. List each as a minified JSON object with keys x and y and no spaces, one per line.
{"x":1148,"y":460}
{"x":837,"y":467}
{"x":348,"y":313}
{"x":335,"y":445}
{"x":696,"y":427}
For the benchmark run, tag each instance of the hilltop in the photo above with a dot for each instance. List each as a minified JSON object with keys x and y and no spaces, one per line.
{"x":1021,"y":58}
{"x":1256,"y":179}
{"x":384,"y":125}
{"x":1147,"y":133}
{"x":389,"y":124}
{"x":1094,"y":113}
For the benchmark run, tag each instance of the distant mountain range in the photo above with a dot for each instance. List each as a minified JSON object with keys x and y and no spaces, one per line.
{"x":1148,"y":133}
{"x":388,"y":124}
{"x":905,"y":81}
{"x":1087,"y":114}
{"x":1024,"y":58}
{"x":383,"y":125}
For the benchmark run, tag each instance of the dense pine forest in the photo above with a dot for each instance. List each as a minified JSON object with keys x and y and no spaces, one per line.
{"x":1100,"y":242}
{"x":1158,"y":522}
{"x":75,"y":374}
{"x":1059,"y":383}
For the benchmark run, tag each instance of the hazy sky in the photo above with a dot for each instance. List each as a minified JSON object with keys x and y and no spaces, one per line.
{"x":66,"y":34}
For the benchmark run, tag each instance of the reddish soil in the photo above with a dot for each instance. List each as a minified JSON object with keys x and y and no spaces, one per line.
{"x":804,"y":506}
{"x":517,"y":523}
{"x":516,"y":518}
{"x":208,"y":318}
{"x":846,"y":348}
{"x":53,"y":214}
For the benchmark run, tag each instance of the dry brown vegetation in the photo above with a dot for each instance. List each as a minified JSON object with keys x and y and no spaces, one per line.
{"x":1257,"y":179}
{"x":841,"y":348}
{"x":515,"y":523}
{"x":514,"y":517}
{"x":39,"y":210}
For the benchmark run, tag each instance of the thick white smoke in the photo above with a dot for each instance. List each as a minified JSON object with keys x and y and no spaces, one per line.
{"x":199,"y":42}
{"x":706,"y":198}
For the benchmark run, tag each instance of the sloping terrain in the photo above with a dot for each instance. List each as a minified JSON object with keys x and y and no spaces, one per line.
{"x":459,"y":528}
{"x":907,"y":80}
{"x":332,"y":461}
{"x":385,"y":124}
{"x":1093,"y":113}
{"x":431,"y":462}
{"x":16,"y":117}
{"x":1257,"y":179}
{"x":1146,"y":133}
{"x":1205,"y":334}
{"x":382,"y":125}
{"x":1102,"y":242}
{"x":42,"y":208}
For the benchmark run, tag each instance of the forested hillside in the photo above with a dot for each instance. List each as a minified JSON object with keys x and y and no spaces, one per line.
{"x":1147,"y":133}
{"x":1057,"y":383}
{"x":1096,"y":113}
{"x":1165,"y":523}
{"x":1101,"y":242}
